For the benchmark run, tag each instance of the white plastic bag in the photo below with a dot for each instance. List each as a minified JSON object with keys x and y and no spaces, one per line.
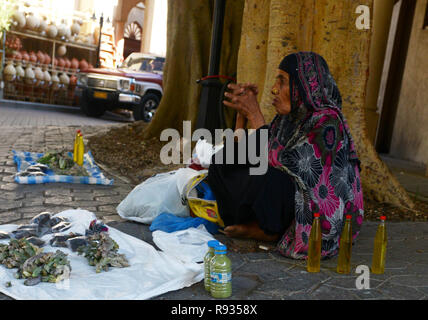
{"x":204,"y":152}
{"x":189,"y":245}
{"x":156,"y":195}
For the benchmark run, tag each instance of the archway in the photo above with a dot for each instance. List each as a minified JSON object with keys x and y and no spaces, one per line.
{"x":132,"y":36}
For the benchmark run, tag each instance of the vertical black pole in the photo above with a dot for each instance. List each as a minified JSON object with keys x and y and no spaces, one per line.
{"x":97,"y":64}
{"x":216,"y":37}
{"x":209,"y":114}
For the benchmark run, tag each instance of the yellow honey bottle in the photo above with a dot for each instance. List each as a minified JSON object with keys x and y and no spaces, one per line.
{"x":345,"y":248}
{"x":76,"y":142}
{"x":379,"y":252}
{"x":314,"y":248}
{"x":80,"y":150}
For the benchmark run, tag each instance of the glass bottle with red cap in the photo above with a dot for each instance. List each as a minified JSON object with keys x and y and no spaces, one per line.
{"x":345,"y":247}
{"x":314,"y":247}
{"x":379,"y":252}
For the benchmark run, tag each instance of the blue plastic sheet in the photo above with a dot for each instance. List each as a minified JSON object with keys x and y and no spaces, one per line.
{"x":168,"y":222}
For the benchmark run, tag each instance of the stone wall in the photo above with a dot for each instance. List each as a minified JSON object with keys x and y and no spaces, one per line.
{"x":409,"y":140}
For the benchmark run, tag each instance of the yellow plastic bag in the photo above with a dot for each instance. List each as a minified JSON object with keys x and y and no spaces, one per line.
{"x":203,"y":208}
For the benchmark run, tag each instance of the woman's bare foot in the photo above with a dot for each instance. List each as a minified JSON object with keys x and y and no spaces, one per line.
{"x":249,"y":231}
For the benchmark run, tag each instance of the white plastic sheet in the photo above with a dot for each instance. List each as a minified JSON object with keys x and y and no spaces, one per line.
{"x":156,"y":195}
{"x":189,"y":245}
{"x":150,"y":274}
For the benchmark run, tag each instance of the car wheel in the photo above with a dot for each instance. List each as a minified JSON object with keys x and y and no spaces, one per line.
{"x":92,"y":109}
{"x":147,"y":107}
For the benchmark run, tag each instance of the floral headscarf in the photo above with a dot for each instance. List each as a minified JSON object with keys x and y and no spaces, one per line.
{"x":313,"y":144}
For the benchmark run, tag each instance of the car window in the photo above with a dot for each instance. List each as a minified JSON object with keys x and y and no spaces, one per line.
{"x":145,"y":64}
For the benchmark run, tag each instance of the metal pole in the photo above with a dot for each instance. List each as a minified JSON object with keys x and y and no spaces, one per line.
{"x":97,"y":64}
{"x":216,"y":37}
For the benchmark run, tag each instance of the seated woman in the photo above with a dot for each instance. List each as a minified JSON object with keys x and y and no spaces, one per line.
{"x":313,"y":165}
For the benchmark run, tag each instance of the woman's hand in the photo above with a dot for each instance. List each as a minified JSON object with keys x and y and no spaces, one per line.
{"x":243,"y":99}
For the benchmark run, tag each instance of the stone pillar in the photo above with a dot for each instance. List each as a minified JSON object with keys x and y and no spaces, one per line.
{"x":147,"y":27}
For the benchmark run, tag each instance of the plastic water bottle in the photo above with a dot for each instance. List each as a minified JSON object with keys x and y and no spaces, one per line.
{"x":379,"y":252}
{"x":221,"y":273}
{"x":207,"y":260}
{"x":345,"y":249}
{"x":76,"y":142}
{"x":314,"y":248}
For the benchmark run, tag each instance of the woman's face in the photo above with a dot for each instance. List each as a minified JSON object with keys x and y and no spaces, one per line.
{"x":281,"y":93}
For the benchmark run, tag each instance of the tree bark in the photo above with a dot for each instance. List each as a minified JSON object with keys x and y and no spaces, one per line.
{"x":328,"y":28}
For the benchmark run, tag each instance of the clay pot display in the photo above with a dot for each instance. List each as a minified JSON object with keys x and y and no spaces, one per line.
{"x":52,"y":31}
{"x":62,"y":50}
{"x":9,"y":72}
{"x":74,"y":63}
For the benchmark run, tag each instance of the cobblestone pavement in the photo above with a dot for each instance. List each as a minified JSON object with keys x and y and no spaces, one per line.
{"x":256,"y":275}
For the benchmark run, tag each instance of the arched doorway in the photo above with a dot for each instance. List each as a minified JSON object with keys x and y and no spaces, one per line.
{"x":132,"y":36}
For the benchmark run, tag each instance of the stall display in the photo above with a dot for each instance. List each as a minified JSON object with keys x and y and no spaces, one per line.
{"x":43,"y":54}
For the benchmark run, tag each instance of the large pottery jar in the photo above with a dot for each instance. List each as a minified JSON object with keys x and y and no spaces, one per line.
{"x":29,"y":75}
{"x":62,"y":29}
{"x":64,"y":79}
{"x":62,"y":50}
{"x":41,"y":57}
{"x":19,"y":19}
{"x":74,"y":63}
{"x":43,"y":25}
{"x":75,"y":28}
{"x":52,"y":31}
{"x":32,"y":22}
{"x":9,"y":71}
{"x":55,"y":80}
{"x":83,"y":65}
{"x":20,"y":72}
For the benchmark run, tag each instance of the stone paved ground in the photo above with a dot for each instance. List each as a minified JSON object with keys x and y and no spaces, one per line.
{"x":256,"y":275}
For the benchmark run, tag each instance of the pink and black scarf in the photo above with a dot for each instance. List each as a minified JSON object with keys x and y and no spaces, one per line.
{"x":313,"y":144}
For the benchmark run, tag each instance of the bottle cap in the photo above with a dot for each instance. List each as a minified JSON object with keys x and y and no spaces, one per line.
{"x":213,"y":243}
{"x":220,"y":249}
{"x":316,"y":215}
{"x":348,"y":216}
{"x":383,"y":218}
{"x":78,"y":131}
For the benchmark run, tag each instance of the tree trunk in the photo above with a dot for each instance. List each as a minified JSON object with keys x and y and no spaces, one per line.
{"x":187,"y":59}
{"x":328,"y":28}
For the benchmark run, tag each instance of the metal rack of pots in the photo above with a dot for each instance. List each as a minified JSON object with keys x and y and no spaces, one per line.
{"x":41,"y":57}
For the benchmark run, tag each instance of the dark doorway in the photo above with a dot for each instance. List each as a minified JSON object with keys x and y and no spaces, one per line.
{"x":393,"y":77}
{"x":132,"y":37}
